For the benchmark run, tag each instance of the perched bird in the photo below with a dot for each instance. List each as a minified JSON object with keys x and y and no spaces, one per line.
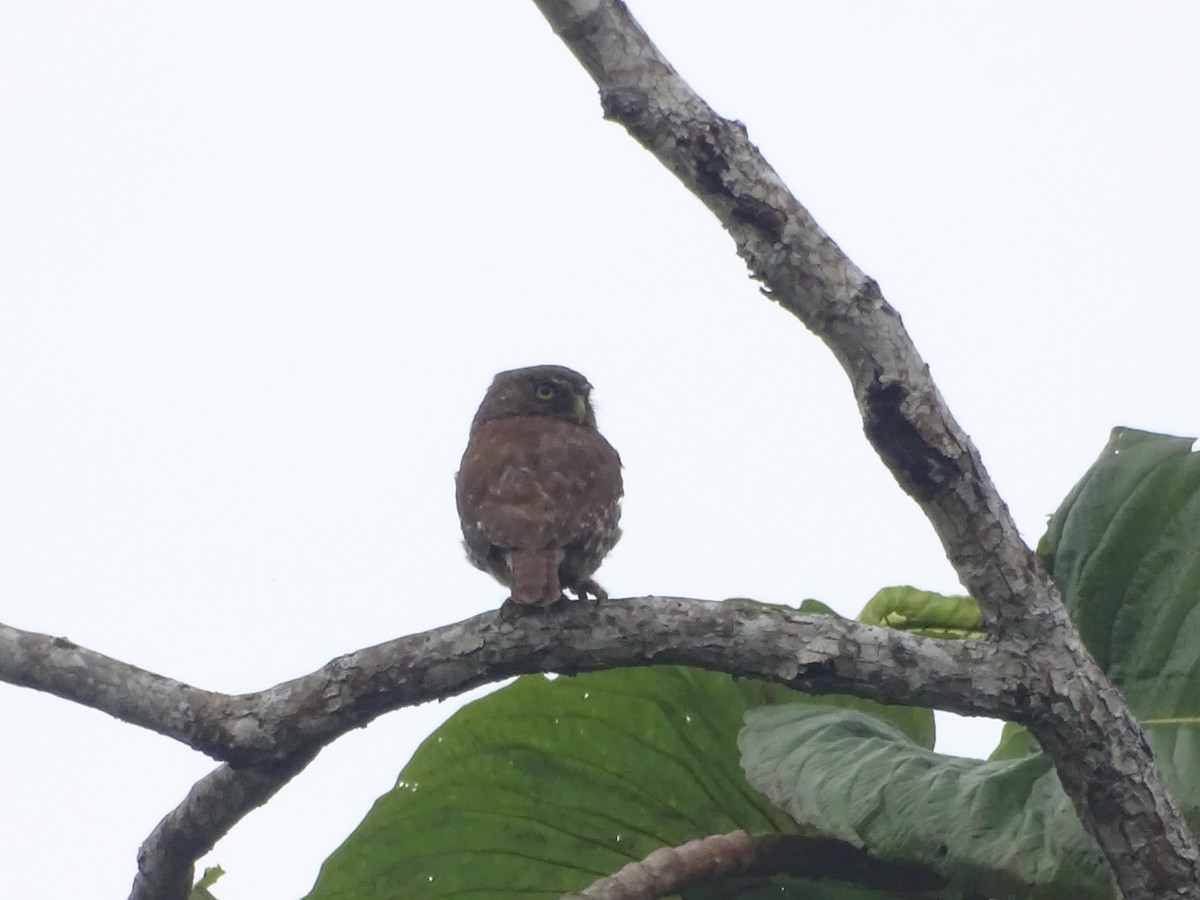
{"x":539,"y":488}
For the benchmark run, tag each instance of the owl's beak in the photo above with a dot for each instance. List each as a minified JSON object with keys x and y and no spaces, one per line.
{"x":581,"y":409}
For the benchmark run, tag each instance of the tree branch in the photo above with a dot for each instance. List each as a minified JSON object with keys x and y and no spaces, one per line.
{"x":816,"y":654}
{"x":61,"y":667}
{"x":167,"y":858}
{"x":1100,"y":753}
{"x":669,"y":870}
{"x":1032,"y":667}
{"x":271,"y":735}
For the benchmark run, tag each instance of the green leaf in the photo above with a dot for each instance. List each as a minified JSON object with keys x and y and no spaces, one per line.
{"x":546,"y":785}
{"x":859,"y":779}
{"x":1015,"y":742}
{"x":1124,"y":549}
{"x":923,"y":612}
{"x":200,"y":890}
{"x":849,"y":776}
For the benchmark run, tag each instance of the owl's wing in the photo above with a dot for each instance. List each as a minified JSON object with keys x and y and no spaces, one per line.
{"x":535,"y":482}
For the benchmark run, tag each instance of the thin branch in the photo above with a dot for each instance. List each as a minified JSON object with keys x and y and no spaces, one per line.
{"x":167,"y":858}
{"x":669,"y":870}
{"x":1082,"y":721}
{"x":816,"y":654}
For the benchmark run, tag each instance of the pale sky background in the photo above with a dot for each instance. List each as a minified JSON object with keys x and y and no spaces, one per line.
{"x":258,"y":262}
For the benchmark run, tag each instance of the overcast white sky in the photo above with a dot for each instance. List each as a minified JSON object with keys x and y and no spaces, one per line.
{"x":258,"y":262}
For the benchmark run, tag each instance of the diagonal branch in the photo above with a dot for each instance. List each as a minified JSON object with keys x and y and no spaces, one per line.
{"x":61,"y":667}
{"x":1082,"y":721}
{"x":167,"y":858}
{"x":669,"y":870}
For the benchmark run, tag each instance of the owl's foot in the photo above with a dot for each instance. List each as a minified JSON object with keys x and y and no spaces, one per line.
{"x":584,"y":588}
{"x":510,"y":609}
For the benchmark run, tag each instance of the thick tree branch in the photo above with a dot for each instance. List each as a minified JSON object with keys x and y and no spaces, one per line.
{"x":1098,"y":748}
{"x":271,"y":735}
{"x":817,"y":654}
{"x":669,"y":870}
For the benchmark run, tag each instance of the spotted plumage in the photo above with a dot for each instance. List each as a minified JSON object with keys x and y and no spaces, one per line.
{"x":539,"y":488}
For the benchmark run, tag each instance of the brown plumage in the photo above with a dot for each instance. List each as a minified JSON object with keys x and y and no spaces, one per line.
{"x":539,"y":488}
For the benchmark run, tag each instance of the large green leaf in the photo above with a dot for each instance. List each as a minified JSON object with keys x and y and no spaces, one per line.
{"x":1124,"y":549}
{"x":1004,"y":829}
{"x":548,"y":784}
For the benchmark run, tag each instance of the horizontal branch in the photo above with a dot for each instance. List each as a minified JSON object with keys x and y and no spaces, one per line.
{"x":816,"y":654}
{"x":269,"y":736}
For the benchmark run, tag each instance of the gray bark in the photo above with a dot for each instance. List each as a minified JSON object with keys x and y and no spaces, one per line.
{"x":1079,"y":719}
{"x":1029,"y":667}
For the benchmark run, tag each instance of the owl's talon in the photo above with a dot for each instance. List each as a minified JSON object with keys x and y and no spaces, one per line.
{"x":591,"y":588}
{"x":511,"y":609}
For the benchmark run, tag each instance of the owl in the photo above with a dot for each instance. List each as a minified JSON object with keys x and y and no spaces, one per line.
{"x":539,"y":488}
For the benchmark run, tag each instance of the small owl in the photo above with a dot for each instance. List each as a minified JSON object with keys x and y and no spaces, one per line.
{"x":539,"y":488}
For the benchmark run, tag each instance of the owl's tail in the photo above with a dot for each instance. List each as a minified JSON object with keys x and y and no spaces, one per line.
{"x":535,"y":576}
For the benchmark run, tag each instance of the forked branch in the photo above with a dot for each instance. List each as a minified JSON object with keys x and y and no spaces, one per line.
{"x":1030,"y":667}
{"x":1100,"y":752}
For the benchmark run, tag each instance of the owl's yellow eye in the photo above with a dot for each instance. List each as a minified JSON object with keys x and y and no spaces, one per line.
{"x":544,"y":392}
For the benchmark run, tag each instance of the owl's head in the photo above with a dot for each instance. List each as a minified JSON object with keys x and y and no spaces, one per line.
{"x":554,"y":391}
